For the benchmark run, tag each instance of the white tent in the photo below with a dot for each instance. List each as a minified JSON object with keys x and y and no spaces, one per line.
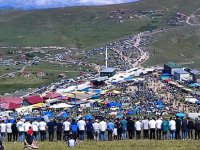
{"x":61,"y":105}
{"x":190,"y":99}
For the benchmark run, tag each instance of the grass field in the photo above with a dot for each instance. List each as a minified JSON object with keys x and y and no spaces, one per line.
{"x":179,"y":45}
{"x":117,"y":145}
{"x":19,"y":82}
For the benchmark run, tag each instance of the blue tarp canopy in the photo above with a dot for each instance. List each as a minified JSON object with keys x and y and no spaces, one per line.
{"x":128,"y":78}
{"x":165,"y":74}
{"x":180,"y":115}
{"x":164,"y":77}
{"x":194,"y":85}
{"x":87,"y":117}
{"x":97,"y":91}
{"x":197,"y":102}
{"x":65,"y":115}
{"x":119,"y":116}
{"x":95,"y":96}
{"x":48,"y":113}
{"x":130,"y":112}
{"x":116,"y":104}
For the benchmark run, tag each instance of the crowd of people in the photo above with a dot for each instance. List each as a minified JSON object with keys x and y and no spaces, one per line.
{"x":100,"y":129}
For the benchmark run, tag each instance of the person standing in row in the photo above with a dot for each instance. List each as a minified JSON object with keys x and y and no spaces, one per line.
{"x":110,"y":128}
{"x":51,"y":128}
{"x":152,"y":126}
{"x":145,"y":126}
{"x":184,"y":126}
{"x":138,"y":128}
{"x":130,"y":128}
{"x":3,"y":129}
{"x":74,"y":129}
{"x":103,"y":127}
{"x":197,"y":129}
{"x":20,"y":127}
{"x":81,"y":128}
{"x":27,"y":125}
{"x":96,"y":127}
{"x":123,"y":123}
{"x":89,"y":130}
{"x":172,"y":128}
{"x":59,"y":130}
{"x":35,"y":126}
{"x":42,"y":128}
{"x":165,"y":128}
{"x":158,"y":128}
{"x":9,"y":130}
{"x":66,"y":127}
{"x":14,"y":131}
{"x":178,"y":128}
{"x":190,"y":128}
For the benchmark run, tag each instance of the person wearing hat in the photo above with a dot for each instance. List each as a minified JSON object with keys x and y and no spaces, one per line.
{"x":96,"y":128}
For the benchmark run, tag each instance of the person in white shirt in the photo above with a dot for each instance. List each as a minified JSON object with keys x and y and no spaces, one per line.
{"x":172,"y":128}
{"x":3,"y":129}
{"x":20,"y":127}
{"x":81,"y":126}
{"x":42,"y":128}
{"x":145,"y":126}
{"x":27,"y":125}
{"x":96,"y":127}
{"x":152,"y":126}
{"x":102,"y":129}
{"x":66,"y":128}
{"x":138,"y":128}
{"x":158,"y":128}
{"x":35,"y":126}
{"x":9,"y":130}
{"x":71,"y":142}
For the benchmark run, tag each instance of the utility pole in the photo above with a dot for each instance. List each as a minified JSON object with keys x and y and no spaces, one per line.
{"x":106,"y":57}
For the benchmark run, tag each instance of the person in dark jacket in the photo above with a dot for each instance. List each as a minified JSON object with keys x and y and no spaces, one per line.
{"x":14,"y":131}
{"x":190,"y":128}
{"x":89,"y":130}
{"x":197,"y":129}
{"x":178,"y":128}
{"x":130,"y":128}
{"x":184,"y":126}
{"x":59,"y":129}
{"x":51,"y":128}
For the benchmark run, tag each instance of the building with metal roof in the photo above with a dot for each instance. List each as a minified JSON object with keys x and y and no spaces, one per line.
{"x":108,"y":72}
{"x":171,"y":67}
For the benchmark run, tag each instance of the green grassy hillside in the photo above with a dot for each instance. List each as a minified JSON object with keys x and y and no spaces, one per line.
{"x":91,"y":25}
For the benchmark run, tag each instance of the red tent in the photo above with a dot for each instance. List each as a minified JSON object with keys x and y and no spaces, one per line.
{"x":10,"y":105}
{"x":52,"y":95}
{"x":33,"y":99}
{"x":15,"y":100}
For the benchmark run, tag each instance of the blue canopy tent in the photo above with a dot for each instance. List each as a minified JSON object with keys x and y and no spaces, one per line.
{"x":115,"y":104}
{"x":97,"y":91}
{"x":165,"y":74}
{"x":160,"y":106}
{"x":88,"y":117}
{"x":119,"y":116}
{"x":95,"y":96}
{"x":65,"y":115}
{"x":197,"y":102}
{"x":48,"y":113}
{"x":130,"y":112}
{"x":180,"y":115}
{"x":128,"y":78}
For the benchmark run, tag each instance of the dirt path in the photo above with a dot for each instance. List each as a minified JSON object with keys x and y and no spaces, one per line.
{"x":193,"y":16}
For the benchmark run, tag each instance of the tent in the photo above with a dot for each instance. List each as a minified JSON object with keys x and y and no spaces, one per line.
{"x":15,"y":100}
{"x":88,"y":117}
{"x":65,"y":115}
{"x":197,"y":102}
{"x":33,"y":99}
{"x":191,"y":99}
{"x":115,"y":104}
{"x":9,"y":106}
{"x":48,"y":113}
{"x":52,"y":95}
{"x":130,"y":112}
{"x":180,"y":115}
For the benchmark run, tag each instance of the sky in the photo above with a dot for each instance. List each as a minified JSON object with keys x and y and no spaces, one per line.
{"x":39,"y":4}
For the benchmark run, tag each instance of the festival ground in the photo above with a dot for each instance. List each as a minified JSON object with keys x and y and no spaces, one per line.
{"x":117,"y":145}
